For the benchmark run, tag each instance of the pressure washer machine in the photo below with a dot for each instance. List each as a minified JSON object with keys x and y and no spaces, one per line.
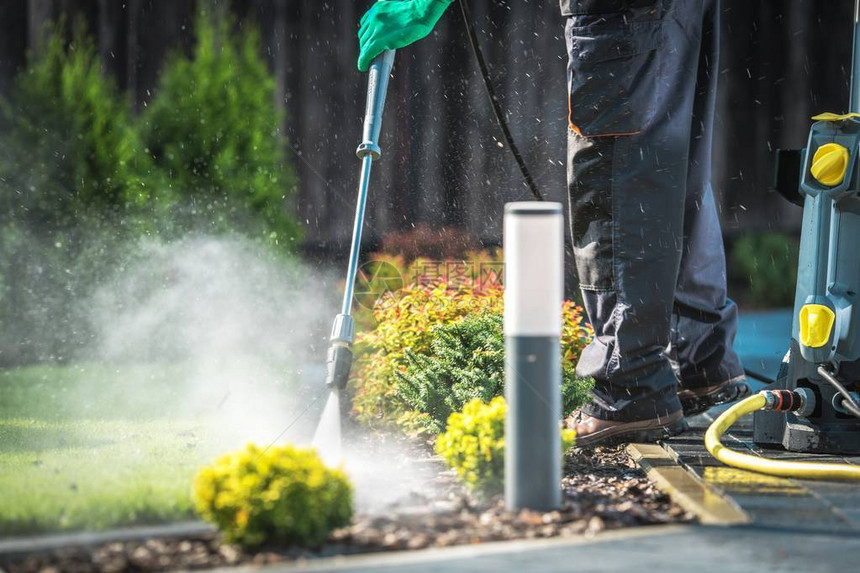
{"x":821,"y":370}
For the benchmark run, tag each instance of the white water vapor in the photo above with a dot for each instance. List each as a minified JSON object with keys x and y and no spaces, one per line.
{"x":244,"y":333}
{"x":245,"y":329}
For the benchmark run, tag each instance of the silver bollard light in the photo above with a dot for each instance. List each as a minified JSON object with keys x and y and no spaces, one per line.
{"x":534,"y":291}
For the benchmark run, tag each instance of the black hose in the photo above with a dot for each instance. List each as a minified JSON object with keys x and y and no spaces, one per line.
{"x":494,"y":101}
{"x":757,"y":376}
{"x":497,"y":109}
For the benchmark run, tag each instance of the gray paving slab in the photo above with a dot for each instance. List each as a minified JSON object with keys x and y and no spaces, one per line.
{"x":842,"y":500}
{"x":853,"y":513}
{"x":814,"y":506}
{"x":693,"y":548}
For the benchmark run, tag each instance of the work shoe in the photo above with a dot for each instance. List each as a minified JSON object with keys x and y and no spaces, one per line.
{"x":698,"y":400}
{"x":591,"y":431}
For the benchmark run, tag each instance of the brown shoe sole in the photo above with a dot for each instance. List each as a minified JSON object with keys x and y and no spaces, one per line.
{"x":648,"y":431}
{"x":700,"y":400}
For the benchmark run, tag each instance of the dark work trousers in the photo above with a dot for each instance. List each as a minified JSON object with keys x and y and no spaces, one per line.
{"x":649,"y":253}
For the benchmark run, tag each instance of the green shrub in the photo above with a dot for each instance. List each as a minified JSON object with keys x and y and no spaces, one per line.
{"x":378,"y":280}
{"x":281,"y":495}
{"x":406,"y":323}
{"x":768,"y":261}
{"x":384,"y":274}
{"x":465,"y":361}
{"x":576,"y":334}
{"x":72,"y":188}
{"x":78,"y":183}
{"x":474,"y":444}
{"x":68,"y":150}
{"x":214,"y":129}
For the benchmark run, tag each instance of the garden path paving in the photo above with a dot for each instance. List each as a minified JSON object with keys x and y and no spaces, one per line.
{"x":807,"y":505}
{"x":703,"y":549}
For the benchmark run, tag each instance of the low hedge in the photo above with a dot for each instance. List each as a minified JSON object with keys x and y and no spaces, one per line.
{"x":282,"y":495}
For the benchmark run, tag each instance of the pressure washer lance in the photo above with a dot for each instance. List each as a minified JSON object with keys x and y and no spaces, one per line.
{"x":339,"y":358}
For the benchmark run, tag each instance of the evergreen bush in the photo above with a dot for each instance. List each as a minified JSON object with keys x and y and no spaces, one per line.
{"x":466,"y":361}
{"x":72,"y":187}
{"x":70,"y":154}
{"x":398,"y":351}
{"x":406,"y":321}
{"x":214,"y":129}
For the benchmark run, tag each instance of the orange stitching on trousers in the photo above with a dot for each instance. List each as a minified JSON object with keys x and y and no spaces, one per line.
{"x":578,"y":131}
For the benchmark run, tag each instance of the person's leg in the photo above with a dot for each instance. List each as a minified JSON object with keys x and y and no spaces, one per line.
{"x":704,"y":319}
{"x":632,"y":76}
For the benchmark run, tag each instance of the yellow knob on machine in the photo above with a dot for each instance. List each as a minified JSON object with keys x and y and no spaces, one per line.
{"x":829,"y":164}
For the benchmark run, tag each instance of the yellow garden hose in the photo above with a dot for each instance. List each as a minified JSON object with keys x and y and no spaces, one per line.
{"x":804,"y":470}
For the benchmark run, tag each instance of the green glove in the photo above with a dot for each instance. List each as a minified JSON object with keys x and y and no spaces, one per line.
{"x":392,"y":24}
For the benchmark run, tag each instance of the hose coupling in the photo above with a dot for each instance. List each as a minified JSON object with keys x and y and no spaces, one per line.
{"x":801,"y":401}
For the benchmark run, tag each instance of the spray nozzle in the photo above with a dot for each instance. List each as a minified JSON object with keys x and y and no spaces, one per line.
{"x":339,"y":358}
{"x":338,"y":364}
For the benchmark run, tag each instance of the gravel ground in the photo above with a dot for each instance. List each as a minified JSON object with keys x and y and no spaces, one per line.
{"x":603,"y":490}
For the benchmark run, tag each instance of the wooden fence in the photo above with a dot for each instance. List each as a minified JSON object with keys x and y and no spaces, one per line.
{"x":443,"y":162}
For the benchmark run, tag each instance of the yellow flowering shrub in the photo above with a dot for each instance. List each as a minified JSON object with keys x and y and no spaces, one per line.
{"x":283,"y":495}
{"x":410,"y":320}
{"x":407,"y":321}
{"x":474,"y":444}
{"x":404,"y":304}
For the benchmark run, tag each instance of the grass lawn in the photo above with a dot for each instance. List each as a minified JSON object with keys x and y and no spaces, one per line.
{"x":94,"y":446}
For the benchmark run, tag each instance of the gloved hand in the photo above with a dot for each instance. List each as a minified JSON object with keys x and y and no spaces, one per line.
{"x":392,"y":24}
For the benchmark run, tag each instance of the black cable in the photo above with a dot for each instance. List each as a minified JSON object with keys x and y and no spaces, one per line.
{"x":497,"y":109}
{"x":494,"y":101}
{"x":762,"y":377}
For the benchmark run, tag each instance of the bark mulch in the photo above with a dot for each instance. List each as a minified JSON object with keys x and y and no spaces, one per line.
{"x":603,"y":489}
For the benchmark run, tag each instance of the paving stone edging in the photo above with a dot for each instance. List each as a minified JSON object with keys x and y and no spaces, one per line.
{"x":685,"y":488}
{"x":15,"y":546}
